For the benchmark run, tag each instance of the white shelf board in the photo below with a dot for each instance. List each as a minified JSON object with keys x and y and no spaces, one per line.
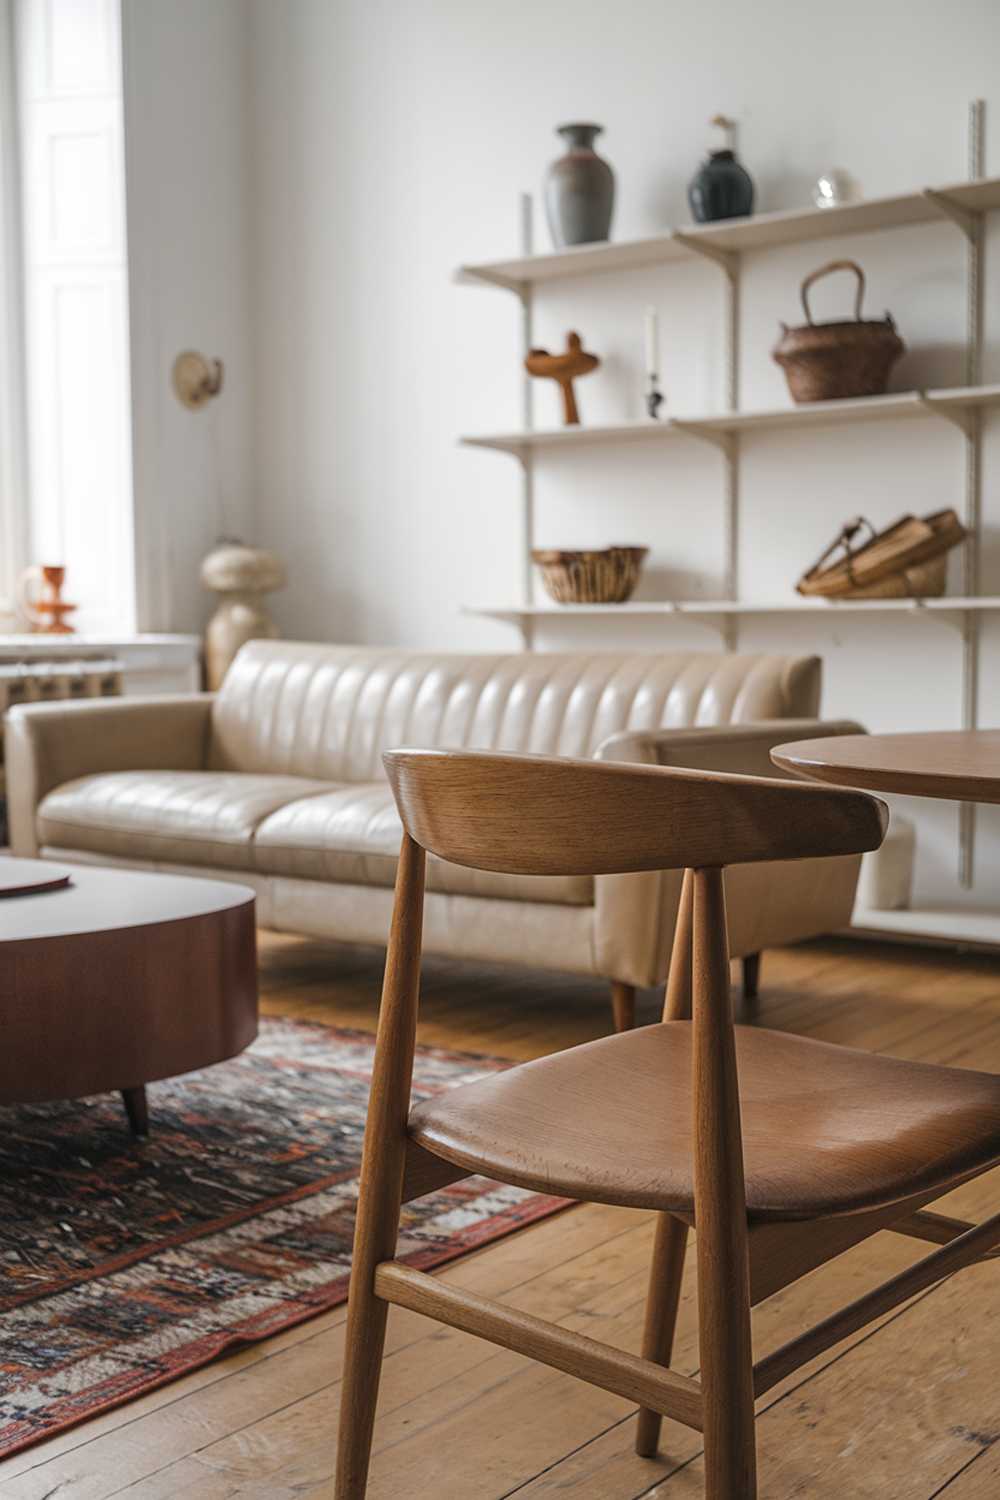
{"x":516,"y":612}
{"x":895,"y":405}
{"x":887,"y":408}
{"x":758,"y":232}
{"x":964,"y":396}
{"x":964,"y":926}
{"x":812,"y":414}
{"x":793,"y":226}
{"x":579,"y":260}
{"x":572,"y":437}
{"x":977,"y":197}
{"x":695,"y":607}
{"x":813,"y":604}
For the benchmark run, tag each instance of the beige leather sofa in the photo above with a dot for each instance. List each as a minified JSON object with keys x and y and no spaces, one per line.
{"x":277,"y":781}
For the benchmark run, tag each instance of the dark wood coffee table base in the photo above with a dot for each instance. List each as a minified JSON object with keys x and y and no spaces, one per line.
{"x":137,"y":1109}
{"x":120,"y":979}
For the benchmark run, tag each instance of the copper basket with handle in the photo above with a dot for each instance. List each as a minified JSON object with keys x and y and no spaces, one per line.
{"x":834,"y":361}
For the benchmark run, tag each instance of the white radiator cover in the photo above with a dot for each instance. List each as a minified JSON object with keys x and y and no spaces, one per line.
{"x":146,"y":663}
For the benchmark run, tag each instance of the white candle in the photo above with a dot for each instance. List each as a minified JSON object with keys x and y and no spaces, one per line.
{"x":652,"y":342}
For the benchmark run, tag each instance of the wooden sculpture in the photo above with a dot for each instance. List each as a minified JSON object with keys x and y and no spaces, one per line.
{"x":563,"y":368}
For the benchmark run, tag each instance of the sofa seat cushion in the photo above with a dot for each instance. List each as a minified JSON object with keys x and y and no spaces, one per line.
{"x":195,"y":817}
{"x":351,"y":835}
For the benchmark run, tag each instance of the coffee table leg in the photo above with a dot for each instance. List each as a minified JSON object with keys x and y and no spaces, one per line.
{"x":137,"y":1109}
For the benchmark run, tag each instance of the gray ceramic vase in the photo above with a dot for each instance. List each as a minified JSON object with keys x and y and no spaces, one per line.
{"x":579,"y":190}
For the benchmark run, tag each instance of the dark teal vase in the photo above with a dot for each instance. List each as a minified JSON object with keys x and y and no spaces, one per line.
{"x":721,"y":189}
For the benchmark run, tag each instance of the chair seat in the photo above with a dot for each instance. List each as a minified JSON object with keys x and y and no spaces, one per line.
{"x":827,"y":1130}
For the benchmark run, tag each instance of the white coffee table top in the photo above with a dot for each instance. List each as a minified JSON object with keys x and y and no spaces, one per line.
{"x":101,"y":900}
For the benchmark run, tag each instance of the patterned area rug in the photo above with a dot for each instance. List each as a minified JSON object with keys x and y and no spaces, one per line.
{"x":125,"y":1264}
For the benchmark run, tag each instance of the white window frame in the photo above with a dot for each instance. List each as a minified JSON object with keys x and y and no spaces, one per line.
{"x":13,"y":458}
{"x":67,"y":487}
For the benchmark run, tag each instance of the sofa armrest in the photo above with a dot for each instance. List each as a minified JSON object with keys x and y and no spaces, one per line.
{"x":741,"y":748}
{"x":48,"y":744}
{"x":768,"y":904}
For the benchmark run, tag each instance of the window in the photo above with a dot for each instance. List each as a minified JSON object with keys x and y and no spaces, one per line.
{"x":12,"y":512}
{"x":76,"y":496}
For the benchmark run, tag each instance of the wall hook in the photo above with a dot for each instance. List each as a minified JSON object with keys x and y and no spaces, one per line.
{"x":196,"y":379}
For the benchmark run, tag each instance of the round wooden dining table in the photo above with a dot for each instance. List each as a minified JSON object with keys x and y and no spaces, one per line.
{"x":962,"y":765}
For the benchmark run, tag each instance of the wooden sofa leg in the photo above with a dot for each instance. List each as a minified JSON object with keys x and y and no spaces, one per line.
{"x":623,"y":1005}
{"x":751,"y":982}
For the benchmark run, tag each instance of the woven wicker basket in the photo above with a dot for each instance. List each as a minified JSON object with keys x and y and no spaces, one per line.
{"x":906,"y":560}
{"x":923,"y":581}
{"x":833,"y":361}
{"x":607,"y":577}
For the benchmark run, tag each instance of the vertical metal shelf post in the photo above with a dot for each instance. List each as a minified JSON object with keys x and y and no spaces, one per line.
{"x":729,"y":443}
{"x":525,"y":292}
{"x":732,"y":451}
{"x":973,"y":485}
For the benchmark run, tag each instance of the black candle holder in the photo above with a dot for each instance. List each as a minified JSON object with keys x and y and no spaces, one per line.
{"x":654,"y":398}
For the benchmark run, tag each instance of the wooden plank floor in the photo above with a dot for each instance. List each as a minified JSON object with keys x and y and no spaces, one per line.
{"x":909,"y":1410}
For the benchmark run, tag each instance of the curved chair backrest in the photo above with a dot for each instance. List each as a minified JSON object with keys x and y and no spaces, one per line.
{"x":538,"y":815}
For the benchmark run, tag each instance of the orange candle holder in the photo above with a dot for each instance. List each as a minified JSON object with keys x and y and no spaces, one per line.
{"x":42,"y":601}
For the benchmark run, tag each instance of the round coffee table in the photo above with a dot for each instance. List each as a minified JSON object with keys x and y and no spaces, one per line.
{"x":960,"y":764}
{"x":119,"y":978}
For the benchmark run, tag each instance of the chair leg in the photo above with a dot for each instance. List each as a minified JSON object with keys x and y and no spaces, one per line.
{"x":623,"y":1005}
{"x":727,"y":1387}
{"x":667,"y":1268}
{"x":663,"y":1298}
{"x":721,"y":1230}
{"x":751,"y":983}
{"x":382,"y":1167}
{"x":374,"y":1242}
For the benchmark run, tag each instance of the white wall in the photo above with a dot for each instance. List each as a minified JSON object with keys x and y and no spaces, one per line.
{"x":391,"y":142}
{"x":187,"y":158}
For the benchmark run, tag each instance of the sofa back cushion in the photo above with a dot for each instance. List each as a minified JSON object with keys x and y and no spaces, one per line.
{"x":328,"y":712}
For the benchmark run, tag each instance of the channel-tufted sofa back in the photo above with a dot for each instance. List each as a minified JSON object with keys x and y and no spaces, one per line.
{"x":328,"y":712}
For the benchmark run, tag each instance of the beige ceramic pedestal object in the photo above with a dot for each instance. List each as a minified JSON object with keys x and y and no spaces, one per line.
{"x":241,"y":576}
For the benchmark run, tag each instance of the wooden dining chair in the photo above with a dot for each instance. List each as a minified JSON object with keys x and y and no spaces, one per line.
{"x":781,"y":1152}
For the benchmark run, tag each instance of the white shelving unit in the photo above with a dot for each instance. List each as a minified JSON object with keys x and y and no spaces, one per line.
{"x":963,"y":205}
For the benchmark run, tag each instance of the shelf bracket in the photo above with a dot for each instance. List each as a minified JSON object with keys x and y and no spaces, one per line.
{"x":721,"y":624}
{"x":464,"y":276}
{"x":724,"y":441}
{"x":520,"y":451}
{"x":729,"y":260}
{"x":959,"y":416}
{"x":954,"y":619}
{"x":967,"y":219}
